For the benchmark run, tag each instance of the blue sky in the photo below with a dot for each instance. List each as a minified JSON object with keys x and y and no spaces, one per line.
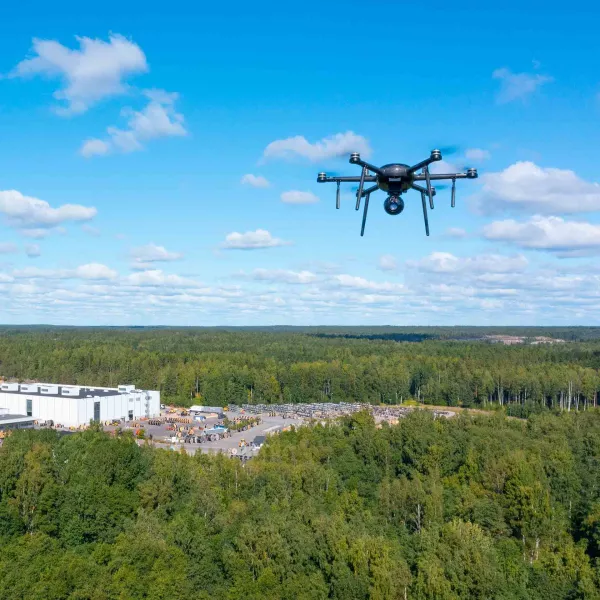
{"x":127,"y":132}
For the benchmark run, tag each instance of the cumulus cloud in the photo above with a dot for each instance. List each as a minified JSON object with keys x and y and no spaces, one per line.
{"x":333,"y":146}
{"x":284,"y":276}
{"x":445,"y":262}
{"x":477,"y":154}
{"x":518,"y":86}
{"x":257,"y":181}
{"x":144,"y":256}
{"x":566,"y":238}
{"x":524,"y":186}
{"x":252,"y":240}
{"x":387,"y":262}
{"x":297,"y":197}
{"x":8,"y":248}
{"x":33,"y":250}
{"x":158,"y":119}
{"x":35,"y":217}
{"x":95,"y":71}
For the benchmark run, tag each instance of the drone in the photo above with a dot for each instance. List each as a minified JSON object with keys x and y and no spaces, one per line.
{"x":396,"y":179}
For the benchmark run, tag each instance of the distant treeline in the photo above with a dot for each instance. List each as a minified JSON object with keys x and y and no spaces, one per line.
{"x":221,"y":366}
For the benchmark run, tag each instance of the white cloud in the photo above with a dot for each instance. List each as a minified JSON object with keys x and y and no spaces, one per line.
{"x":38,"y":233}
{"x":456,"y":232}
{"x":91,"y":271}
{"x":157,"y":119}
{"x":257,"y":181}
{"x":143,"y":256}
{"x":284,"y":276}
{"x":96,"y":71}
{"x":526,"y":186}
{"x":333,"y":146}
{"x":252,"y":240}
{"x":8,"y":248}
{"x":158,"y":278}
{"x":94,"y":147}
{"x":518,"y":86}
{"x":94,"y":271}
{"x":297,"y":197}
{"x":360,"y":283}
{"x":477,"y":154}
{"x":387,"y":262}
{"x":35,"y":216}
{"x":443,"y":166}
{"x":33,"y":250}
{"x":445,"y":262}
{"x":566,"y":238}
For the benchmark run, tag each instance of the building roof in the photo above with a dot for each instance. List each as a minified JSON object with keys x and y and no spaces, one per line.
{"x":8,"y":418}
{"x":84,"y":392}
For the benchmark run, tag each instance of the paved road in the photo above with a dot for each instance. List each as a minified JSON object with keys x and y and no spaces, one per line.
{"x":268,"y":425}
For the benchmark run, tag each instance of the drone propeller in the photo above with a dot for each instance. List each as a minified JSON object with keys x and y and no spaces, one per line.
{"x":448,"y":150}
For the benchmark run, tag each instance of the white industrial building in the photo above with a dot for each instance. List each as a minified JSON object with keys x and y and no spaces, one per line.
{"x":75,"y":405}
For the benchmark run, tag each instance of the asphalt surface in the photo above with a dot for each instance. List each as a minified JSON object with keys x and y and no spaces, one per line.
{"x":268,"y":426}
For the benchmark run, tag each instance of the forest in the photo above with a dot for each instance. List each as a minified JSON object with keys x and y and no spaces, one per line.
{"x":429,"y":509}
{"x":389,"y":365}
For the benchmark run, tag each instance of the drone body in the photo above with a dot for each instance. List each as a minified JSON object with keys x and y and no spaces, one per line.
{"x":397,"y":179}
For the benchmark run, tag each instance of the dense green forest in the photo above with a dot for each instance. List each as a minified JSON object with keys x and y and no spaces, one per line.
{"x":445,"y":366}
{"x":471,"y":507}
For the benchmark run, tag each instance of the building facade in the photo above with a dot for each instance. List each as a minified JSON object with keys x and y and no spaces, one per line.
{"x":75,"y":405}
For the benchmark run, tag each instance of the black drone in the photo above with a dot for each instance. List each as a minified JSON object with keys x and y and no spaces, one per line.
{"x":396,"y":179}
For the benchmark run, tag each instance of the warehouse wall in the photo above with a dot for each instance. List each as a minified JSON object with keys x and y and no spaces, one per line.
{"x":79,"y":411}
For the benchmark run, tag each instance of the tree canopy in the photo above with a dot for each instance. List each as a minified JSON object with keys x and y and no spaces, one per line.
{"x":468,"y":507}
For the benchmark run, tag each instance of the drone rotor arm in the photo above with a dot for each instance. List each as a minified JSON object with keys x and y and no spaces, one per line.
{"x":370,"y":190}
{"x":356,"y":160}
{"x":433,"y":157}
{"x":369,"y":178}
{"x":440,"y":176}
{"x":422,"y":189}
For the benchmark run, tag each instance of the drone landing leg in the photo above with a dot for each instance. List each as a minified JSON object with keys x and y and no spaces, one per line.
{"x":364,"y":221}
{"x":428,"y":181}
{"x":425,"y":213}
{"x":361,"y":185}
